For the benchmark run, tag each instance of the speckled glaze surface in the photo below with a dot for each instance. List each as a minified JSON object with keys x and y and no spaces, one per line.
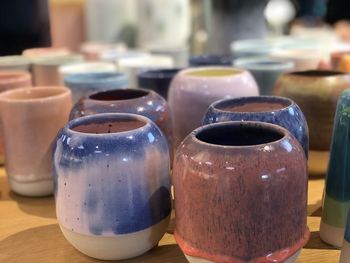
{"x":84,"y":84}
{"x":111,"y":175}
{"x":190,"y":95}
{"x":336,"y":200}
{"x":157,"y":80}
{"x":210,"y":60}
{"x":228,"y":210}
{"x":137,"y":101}
{"x":276,"y":110}
{"x":30,"y":119}
{"x":316,"y":93}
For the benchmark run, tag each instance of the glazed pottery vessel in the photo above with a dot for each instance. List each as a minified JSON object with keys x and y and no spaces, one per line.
{"x":15,"y":63}
{"x":240,"y":194}
{"x":316,"y":92}
{"x":336,"y":58}
{"x":336,"y":200}
{"x":276,"y":110}
{"x":137,"y":101}
{"x":265,"y":70}
{"x":345,"y":250}
{"x":34,"y":53}
{"x":193,"y":90}
{"x":157,"y":80}
{"x":84,"y":84}
{"x":344,"y":63}
{"x":45,"y":70}
{"x":30,"y":120}
{"x":179,"y":54}
{"x":210,"y":60}
{"x":112,"y":185}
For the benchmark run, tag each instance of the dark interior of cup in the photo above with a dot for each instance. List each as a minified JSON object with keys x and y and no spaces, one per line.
{"x":119,"y":94}
{"x":237,"y":134}
{"x":112,"y":126}
{"x":317,"y":73}
{"x":158,"y":74}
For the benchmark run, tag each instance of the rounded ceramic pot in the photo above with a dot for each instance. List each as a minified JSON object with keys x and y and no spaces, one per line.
{"x":138,"y":101}
{"x":276,"y":110}
{"x":210,"y":60}
{"x":265,"y":70}
{"x":15,"y":63}
{"x":34,"y":53}
{"x":83,"y":84}
{"x":240,"y":194}
{"x":193,"y":90}
{"x":112,"y":185}
{"x":316,"y":92}
{"x":30,"y":120}
{"x":157,"y":80}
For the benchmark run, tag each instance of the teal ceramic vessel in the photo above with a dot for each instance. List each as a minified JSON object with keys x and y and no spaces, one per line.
{"x":336,"y":200}
{"x":345,"y":250}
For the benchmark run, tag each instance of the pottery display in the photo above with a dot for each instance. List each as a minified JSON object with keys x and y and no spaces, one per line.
{"x":41,"y":52}
{"x":210,"y":60}
{"x":157,"y":80}
{"x":193,"y":90}
{"x":265,"y":70}
{"x":336,"y":57}
{"x":179,"y":54}
{"x":93,"y":51}
{"x":15,"y":63}
{"x":316,"y":92}
{"x":336,"y":199}
{"x":345,"y":250}
{"x":114,"y":55}
{"x":276,"y":110}
{"x":30,"y":119}
{"x":84,"y":84}
{"x":344,"y":63}
{"x":112,"y":185}
{"x":138,"y":101}
{"x":240,"y":194}
{"x":45,"y":71}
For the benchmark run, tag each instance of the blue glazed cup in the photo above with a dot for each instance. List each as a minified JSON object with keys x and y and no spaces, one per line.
{"x":112,"y":184}
{"x":210,"y":60}
{"x":83,"y":84}
{"x":276,"y":110}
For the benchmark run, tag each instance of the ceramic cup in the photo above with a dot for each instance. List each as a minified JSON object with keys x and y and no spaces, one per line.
{"x":240,"y":194}
{"x":30,"y":120}
{"x":138,"y":101}
{"x":276,"y":110}
{"x":45,"y":71}
{"x":157,"y":80}
{"x":336,"y":57}
{"x":265,"y":70}
{"x":84,"y":84}
{"x":316,"y":92}
{"x":344,"y":63}
{"x":34,"y":53}
{"x":210,"y":60}
{"x":179,"y":54}
{"x":345,"y":250}
{"x":112,"y":185}
{"x":15,"y":63}
{"x":193,"y":90}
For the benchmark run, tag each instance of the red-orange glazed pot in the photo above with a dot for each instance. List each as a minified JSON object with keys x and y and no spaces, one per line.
{"x":240,"y":194}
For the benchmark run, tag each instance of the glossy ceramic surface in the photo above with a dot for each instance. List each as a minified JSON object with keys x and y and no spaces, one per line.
{"x":276,"y":110}
{"x":84,"y":84}
{"x":265,"y":70}
{"x":193,"y":90}
{"x":30,"y":119}
{"x":157,"y":80}
{"x":15,"y":63}
{"x":210,"y":60}
{"x":316,"y":92}
{"x":336,"y":201}
{"x":228,"y":210}
{"x":111,"y":180}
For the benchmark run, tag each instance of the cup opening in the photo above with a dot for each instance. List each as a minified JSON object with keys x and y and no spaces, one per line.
{"x":238,"y":134}
{"x":159,"y":74}
{"x":213,"y":72}
{"x":317,"y":73}
{"x":119,"y":94}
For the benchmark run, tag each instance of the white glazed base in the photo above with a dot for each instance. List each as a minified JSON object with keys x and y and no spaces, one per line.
{"x":332,"y":235}
{"x":120,"y":246}
{"x":190,"y":259}
{"x":32,"y":189}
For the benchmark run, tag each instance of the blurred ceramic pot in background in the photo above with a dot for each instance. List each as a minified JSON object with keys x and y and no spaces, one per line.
{"x":210,"y":60}
{"x":85,"y":84}
{"x":179,"y":54}
{"x":41,"y":52}
{"x":193,"y":90}
{"x":345,"y":250}
{"x":240,"y":194}
{"x":30,"y":120}
{"x":113,"y":200}
{"x":265,"y":70}
{"x":316,"y":92}
{"x":15,"y":63}
{"x":276,"y":110}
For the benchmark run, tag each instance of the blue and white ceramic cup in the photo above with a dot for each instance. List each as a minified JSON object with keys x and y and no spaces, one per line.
{"x":112,"y":184}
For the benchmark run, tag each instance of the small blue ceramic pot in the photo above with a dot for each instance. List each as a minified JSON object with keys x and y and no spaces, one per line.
{"x":210,"y":60}
{"x":157,"y":80}
{"x":276,"y":110}
{"x":83,"y":84}
{"x":112,"y":184}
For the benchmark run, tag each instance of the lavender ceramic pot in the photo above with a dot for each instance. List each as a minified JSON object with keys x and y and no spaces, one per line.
{"x":193,"y":90}
{"x":112,"y":185}
{"x":276,"y":110}
{"x":240,"y":194}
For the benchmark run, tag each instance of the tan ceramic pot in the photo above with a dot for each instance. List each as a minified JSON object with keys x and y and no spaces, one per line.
{"x":45,"y":52}
{"x":316,"y":92}
{"x":31,"y":118}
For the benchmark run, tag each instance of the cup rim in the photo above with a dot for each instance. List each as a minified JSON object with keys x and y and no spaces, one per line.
{"x":315,"y":73}
{"x":256,"y":63}
{"x":93,"y":77}
{"x":163,"y":73}
{"x":15,"y":75}
{"x":67,"y":69}
{"x":146,"y":92}
{"x":235,"y":72}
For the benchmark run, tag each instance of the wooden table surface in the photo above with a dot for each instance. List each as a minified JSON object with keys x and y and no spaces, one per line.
{"x":29,"y":231}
